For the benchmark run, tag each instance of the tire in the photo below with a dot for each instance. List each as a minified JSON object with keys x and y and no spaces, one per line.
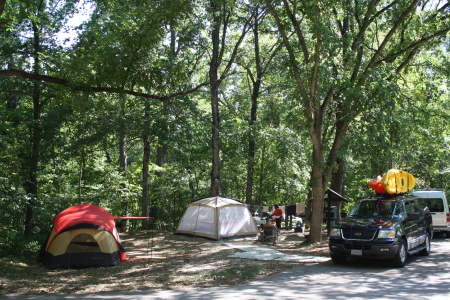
{"x":427,"y":244}
{"x":338,"y":259}
{"x":447,"y":234}
{"x":399,"y":260}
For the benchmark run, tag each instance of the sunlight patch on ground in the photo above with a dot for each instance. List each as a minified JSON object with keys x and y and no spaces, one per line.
{"x":191,"y":268}
{"x":265,"y":253}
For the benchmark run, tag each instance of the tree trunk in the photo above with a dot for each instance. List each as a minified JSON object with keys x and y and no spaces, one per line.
{"x":213,"y":77}
{"x":321,"y":173}
{"x":123,"y":159}
{"x":250,"y":172}
{"x":80,"y":173}
{"x":122,"y":135}
{"x":145,"y":168}
{"x":261,"y":175}
{"x":315,"y":230}
{"x":253,"y":114}
{"x":145,"y":182}
{"x":157,"y":193}
{"x":31,"y":185}
{"x":337,"y":182}
{"x":337,"y":179}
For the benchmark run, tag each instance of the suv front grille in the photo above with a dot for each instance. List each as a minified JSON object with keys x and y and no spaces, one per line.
{"x":359,"y":234}
{"x":360,"y":246}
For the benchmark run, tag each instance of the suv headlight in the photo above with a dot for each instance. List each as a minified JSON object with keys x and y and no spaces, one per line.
{"x":386,"y":234}
{"x":336,"y":232}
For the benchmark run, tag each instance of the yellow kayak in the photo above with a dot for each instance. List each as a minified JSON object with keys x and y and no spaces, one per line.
{"x":398,"y":182}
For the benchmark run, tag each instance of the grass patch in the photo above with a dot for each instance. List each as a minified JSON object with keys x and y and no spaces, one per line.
{"x":164,"y":278}
{"x":235,"y":274}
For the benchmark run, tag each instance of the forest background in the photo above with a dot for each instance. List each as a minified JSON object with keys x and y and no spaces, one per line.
{"x":141,"y":107}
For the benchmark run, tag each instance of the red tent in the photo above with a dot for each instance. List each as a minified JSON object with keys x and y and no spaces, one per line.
{"x":83,"y":235}
{"x":84,"y":213}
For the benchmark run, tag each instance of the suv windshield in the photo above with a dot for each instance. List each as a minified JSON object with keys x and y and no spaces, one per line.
{"x":377,"y":209}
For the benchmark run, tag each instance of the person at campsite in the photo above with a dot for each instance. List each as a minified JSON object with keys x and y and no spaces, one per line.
{"x":278,"y":215}
{"x":268,"y":225}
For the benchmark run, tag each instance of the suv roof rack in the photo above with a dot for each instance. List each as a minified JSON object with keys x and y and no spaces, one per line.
{"x":388,"y":196}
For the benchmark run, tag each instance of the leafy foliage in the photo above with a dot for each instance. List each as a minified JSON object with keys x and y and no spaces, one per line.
{"x":128,"y":56}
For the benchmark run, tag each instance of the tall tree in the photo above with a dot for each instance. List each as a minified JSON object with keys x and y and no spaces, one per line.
{"x":261,"y":63}
{"x":37,"y":22}
{"x":122,"y":61}
{"x":222,"y":12}
{"x":341,"y":53}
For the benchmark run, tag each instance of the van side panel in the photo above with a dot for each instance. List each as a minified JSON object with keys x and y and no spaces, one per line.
{"x":438,"y":205}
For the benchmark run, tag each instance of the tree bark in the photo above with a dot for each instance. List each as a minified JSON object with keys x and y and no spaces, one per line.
{"x":213,"y":77}
{"x":318,"y":192}
{"x":145,"y":169}
{"x":157,"y":192}
{"x":261,"y":174}
{"x":31,"y":185}
{"x":337,"y":179}
{"x":123,"y":157}
{"x":145,"y":182}
{"x":337,"y":183}
{"x":256,"y":84}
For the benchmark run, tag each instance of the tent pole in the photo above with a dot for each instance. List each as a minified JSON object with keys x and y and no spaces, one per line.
{"x":148,"y":242}
{"x":196,"y":222}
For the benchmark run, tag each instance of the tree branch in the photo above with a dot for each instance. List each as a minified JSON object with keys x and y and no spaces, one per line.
{"x":296,"y":71}
{"x":245,"y":29}
{"x":366,"y":22}
{"x":297,"y":30}
{"x":390,"y":35}
{"x":412,"y":47}
{"x":66,"y":83}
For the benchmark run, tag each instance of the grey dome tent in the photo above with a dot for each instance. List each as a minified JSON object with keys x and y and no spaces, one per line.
{"x":217,"y":218}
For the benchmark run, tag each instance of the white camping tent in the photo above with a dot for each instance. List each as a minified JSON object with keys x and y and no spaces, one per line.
{"x":217,"y":218}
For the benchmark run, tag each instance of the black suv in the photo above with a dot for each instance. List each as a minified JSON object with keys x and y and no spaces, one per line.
{"x":385,"y":228}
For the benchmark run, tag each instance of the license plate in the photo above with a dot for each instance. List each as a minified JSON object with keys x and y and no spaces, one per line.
{"x":356,"y":252}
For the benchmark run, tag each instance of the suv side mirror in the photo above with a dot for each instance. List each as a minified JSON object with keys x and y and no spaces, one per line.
{"x":414,"y":216}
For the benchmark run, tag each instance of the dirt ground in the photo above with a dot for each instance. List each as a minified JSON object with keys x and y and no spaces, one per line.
{"x":156,"y":261}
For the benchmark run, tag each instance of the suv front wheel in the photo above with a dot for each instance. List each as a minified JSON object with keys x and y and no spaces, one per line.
{"x":338,"y":259}
{"x":400,"y":258}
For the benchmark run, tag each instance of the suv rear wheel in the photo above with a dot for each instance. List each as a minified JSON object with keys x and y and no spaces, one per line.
{"x":400,"y":258}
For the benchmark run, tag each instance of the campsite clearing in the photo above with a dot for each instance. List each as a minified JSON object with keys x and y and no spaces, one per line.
{"x":157,"y":261}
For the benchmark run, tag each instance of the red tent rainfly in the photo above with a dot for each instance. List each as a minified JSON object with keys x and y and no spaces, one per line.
{"x":82,"y":236}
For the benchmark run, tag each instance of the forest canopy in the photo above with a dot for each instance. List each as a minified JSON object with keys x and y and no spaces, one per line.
{"x":141,"y":107}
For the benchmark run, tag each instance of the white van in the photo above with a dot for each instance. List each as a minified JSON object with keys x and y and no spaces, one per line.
{"x":438,"y":205}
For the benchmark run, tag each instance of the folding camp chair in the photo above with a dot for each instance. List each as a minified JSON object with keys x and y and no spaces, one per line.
{"x":269,"y":234}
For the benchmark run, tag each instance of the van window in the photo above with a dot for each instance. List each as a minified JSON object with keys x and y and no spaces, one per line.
{"x":434,"y":204}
